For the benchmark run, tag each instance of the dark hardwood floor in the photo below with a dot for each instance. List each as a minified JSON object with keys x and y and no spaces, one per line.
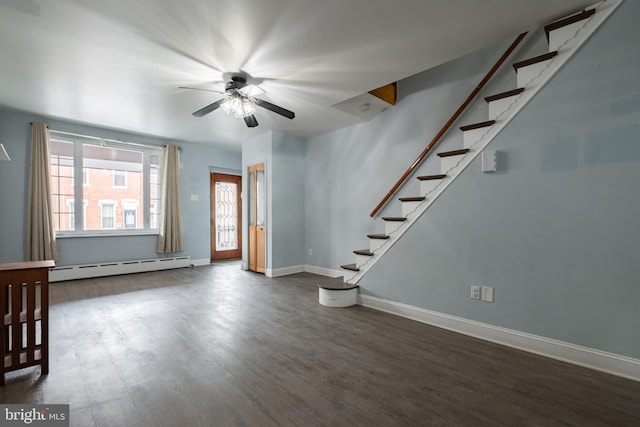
{"x":217,"y":346}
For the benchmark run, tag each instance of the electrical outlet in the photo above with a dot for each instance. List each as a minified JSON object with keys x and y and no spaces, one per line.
{"x":310,"y":252}
{"x":475,"y":292}
{"x":487,"y":294}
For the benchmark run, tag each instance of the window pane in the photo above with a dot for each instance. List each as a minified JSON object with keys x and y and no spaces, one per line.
{"x":108,"y":216}
{"x":62,"y":189}
{"x":115,"y":174}
{"x":262,"y":201}
{"x":154,"y":192}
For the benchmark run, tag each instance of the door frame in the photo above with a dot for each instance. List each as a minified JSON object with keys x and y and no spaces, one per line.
{"x":237,"y":179}
{"x":257,"y":251}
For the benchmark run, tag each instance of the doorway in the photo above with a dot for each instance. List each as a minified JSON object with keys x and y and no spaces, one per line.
{"x":225,"y":216}
{"x":257,"y":211}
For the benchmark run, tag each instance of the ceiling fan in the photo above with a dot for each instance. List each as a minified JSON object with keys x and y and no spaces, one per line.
{"x":241,"y":101}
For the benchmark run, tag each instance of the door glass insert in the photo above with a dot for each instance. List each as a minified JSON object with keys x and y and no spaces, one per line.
{"x":252,"y":201}
{"x":226,"y":216}
{"x":262,"y":202}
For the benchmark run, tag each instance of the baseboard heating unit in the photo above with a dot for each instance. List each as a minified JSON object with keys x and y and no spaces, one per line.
{"x":72,"y":272}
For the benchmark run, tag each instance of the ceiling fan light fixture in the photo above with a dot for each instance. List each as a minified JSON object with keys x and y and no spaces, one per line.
{"x":238,"y":106}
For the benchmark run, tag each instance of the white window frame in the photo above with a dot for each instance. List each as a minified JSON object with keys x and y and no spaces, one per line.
{"x":145,"y":204}
{"x":72,"y":211}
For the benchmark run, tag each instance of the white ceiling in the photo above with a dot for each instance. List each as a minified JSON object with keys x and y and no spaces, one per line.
{"x":118,"y":63}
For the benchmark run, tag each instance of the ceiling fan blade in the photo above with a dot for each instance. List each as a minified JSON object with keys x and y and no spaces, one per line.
{"x":251,"y":121}
{"x":251,"y":91}
{"x":278,"y":110}
{"x":199,"y":88}
{"x":209,"y":108}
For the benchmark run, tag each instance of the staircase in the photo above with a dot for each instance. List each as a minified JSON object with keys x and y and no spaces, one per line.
{"x":564,"y":37}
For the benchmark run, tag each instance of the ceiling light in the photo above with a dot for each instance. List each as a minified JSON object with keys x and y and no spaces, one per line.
{"x":239,"y":106}
{"x":3,"y":154}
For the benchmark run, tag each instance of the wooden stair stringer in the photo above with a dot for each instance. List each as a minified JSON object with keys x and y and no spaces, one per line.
{"x":565,"y":51}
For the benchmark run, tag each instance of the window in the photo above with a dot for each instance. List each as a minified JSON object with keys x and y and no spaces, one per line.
{"x":119,"y":179}
{"x":130,"y":213}
{"x":107,"y":215}
{"x":124,"y":194}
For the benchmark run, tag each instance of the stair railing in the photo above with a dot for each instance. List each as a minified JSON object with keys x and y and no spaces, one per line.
{"x":436,"y":139}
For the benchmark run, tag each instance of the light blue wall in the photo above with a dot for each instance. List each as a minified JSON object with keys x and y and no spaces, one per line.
{"x":348,"y":171}
{"x":15,"y":134}
{"x":284,"y":159}
{"x":287,"y":200}
{"x":555,"y":232}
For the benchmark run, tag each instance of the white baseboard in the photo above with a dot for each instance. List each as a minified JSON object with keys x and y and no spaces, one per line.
{"x":611,"y":363}
{"x":285,"y":271}
{"x":323,"y":271}
{"x":200,"y":262}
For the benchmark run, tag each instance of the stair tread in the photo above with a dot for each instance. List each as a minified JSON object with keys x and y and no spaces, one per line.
{"x":412,"y":199}
{"x":365,"y":252}
{"x":535,"y":60}
{"x":377,"y":236}
{"x":453,"y":153}
{"x":503,"y":95}
{"x":337,"y":286}
{"x":478,"y":125}
{"x":430,"y":177}
{"x":568,"y":21}
{"x":394,"y":218}
{"x":351,"y":267}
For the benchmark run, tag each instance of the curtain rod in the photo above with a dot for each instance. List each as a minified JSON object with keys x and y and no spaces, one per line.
{"x":109,"y":139}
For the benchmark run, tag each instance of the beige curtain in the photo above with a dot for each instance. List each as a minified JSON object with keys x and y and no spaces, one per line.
{"x":41,"y":238}
{"x":170,"y":235}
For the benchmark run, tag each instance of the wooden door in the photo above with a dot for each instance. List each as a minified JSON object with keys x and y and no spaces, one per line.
{"x":225,"y":216}
{"x":257,"y":218}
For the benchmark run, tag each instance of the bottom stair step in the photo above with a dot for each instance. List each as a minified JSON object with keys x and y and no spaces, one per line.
{"x":351,"y":267}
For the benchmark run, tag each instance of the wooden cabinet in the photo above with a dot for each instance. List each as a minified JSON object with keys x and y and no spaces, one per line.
{"x":24,"y":299}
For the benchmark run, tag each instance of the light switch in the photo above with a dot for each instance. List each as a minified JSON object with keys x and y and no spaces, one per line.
{"x":487,"y":294}
{"x":489,"y":161}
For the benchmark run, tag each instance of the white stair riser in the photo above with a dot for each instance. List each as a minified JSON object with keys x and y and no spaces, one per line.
{"x":426,"y":187}
{"x":499,"y":106}
{"x":361,"y":260}
{"x":391,"y":226}
{"x":448,"y":165}
{"x":530,"y":72}
{"x":375,"y":244}
{"x":559,"y":36}
{"x":470,"y":137}
{"x":408,"y":207}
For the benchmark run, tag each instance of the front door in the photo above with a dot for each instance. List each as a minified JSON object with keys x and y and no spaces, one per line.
{"x":226,"y":208}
